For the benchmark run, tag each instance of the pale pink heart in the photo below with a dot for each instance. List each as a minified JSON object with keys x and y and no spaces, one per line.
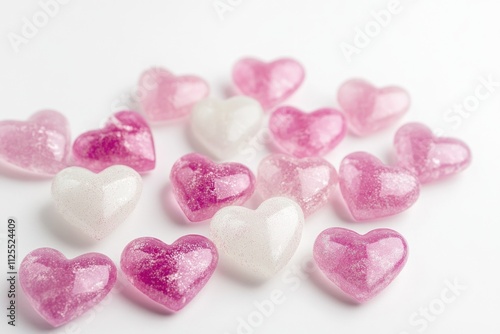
{"x":202,"y":187}
{"x":369,"y":108}
{"x":269,"y":83}
{"x":429,"y":157}
{"x":171,"y":275}
{"x":360,"y":265}
{"x":164,"y":96}
{"x":126,"y":139}
{"x":40,"y":145}
{"x":373,"y":190}
{"x":307,"y":181}
{"x":307,"y":134}
{"x":61,"y":290}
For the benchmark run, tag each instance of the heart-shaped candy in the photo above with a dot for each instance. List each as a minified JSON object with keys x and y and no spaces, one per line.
{"x":373,"y":190}
{"x":126,"y":139}
{"x":369,"y":108}
{"x":171,"y":275}
{"x":223,"y":128}
{"x":269,"y":83}
{"x":40,"y":145}
{"x":429,"y":157}
{"x":60,"y":290}
{"x":96,"y":203}
{"x":360,"y":265}
{"x":308,"y":181}
{"x":307,"y":134}
{"x":164,"y":96}
{"x":202,"y":187}
{"x":258,"y":243}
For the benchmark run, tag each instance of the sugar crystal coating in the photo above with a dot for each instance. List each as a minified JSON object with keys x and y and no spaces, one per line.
{"x":258,"y":243}
{"x":307,"y":134}
{"x":269,"y":83}
{"x":373,"y":190}
{"x":96,"y":203}
{"x":171,"y":275}
{"x":360,"y":265}
{"x":126,"y":139}
{"x":61,"y":290}
{"x":308,"y":181}
{"x":40,"y":145}
{"x":225,"y":127}
{"x":429,"y":157}
{"x":202,"y":187}
{"x":164,"y":96}
{"x":370,"y":109}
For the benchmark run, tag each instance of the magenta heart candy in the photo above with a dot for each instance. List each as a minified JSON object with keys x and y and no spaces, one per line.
{"x":171,"y":275}
{"x":126,"y":139}
{"x":369,"y":108}
{"x":307,"y":181}
{"x":360,"y":265}
{"x":40,"y":145}
{"x":372,"y":190}
{"x":164,"y":96}
{"x":59,"y":289}
{"x":202,"y":187}
{"x":429,"y":157}
{"x":269,"y":83}
{"x":307,"y":134}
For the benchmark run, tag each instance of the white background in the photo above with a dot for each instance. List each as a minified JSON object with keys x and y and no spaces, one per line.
{"x":90,"y":55}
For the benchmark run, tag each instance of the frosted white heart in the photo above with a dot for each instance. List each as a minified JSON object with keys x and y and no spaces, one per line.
{"x":96,"y":203}
{"x":225,"y":127}
{"x":258,"y":243}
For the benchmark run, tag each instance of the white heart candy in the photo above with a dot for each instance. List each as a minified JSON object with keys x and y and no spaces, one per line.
{"x":258,"y":243}
{"x":223,"y":128}
{"x":96,"y":203}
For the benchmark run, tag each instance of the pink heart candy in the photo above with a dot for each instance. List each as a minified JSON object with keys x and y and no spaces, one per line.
{"x":373,"y":190}
{"x":164,"y":96}
{"x":40,"y":145}
{"x":369,"y":108}
{"x":269,"y":83}
{"x":429,"y":157}
{"x":126,"y":139}
{"x":171,"y":275}
{"x":360,"y":265}
{"x":202,"y":187}
{"x":307,"y":134}
{"x":307,"y":181}
{"x":59,"y":289}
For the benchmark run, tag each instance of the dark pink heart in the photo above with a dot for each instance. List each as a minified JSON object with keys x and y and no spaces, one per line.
{"x":60,"y":290}
{"x":202,"y":187}
{"x":369,"y":108}
{"x":373,"y":190}
{"x":171,"y":275}
{"x":429,"y":157}
{"x":41,"y":145}
{"x":269,"y":83}
{"x":360,"y":265}
{"x":307,"y":134}
{"x":164,"y":96}
{"x":126,"y":139}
